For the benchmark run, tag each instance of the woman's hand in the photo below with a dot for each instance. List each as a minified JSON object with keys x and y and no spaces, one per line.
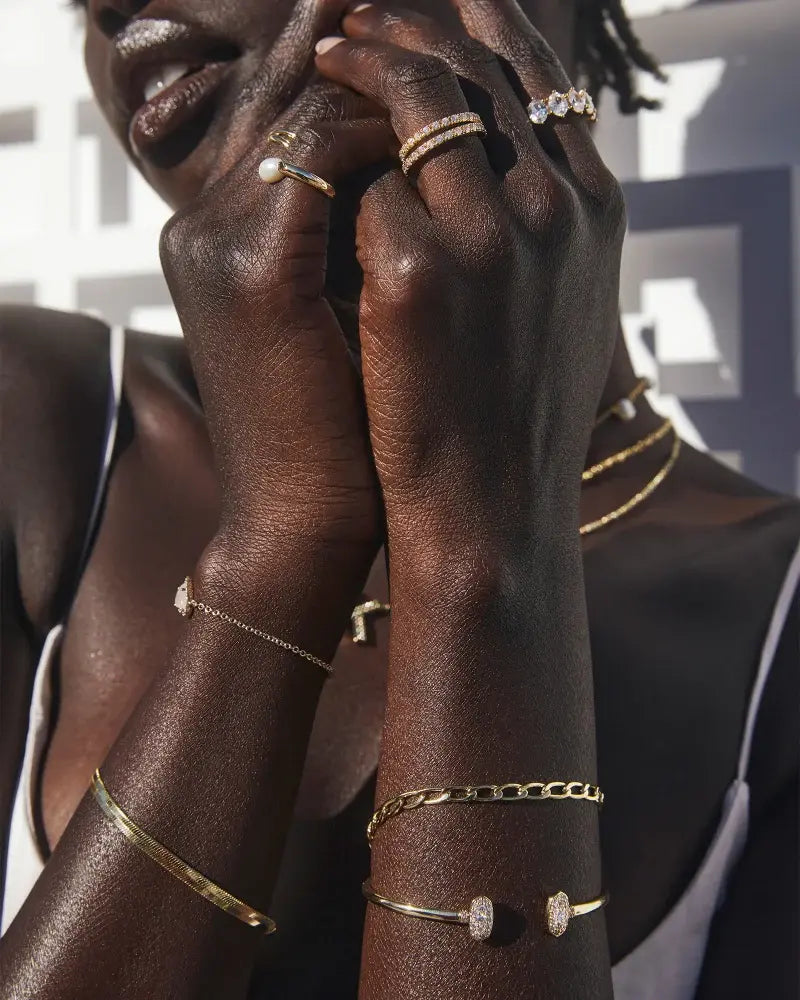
{"x":246,"y":267}
{"x":489,"y":310}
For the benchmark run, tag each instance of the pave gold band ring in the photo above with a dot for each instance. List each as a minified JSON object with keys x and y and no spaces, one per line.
{"x":559,"y":105}
{"x":436,"y":134}
{"x":272,"y":170}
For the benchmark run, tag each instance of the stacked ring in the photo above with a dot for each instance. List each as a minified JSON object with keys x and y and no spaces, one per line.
{"x":436,"y":134}
{"x":558,"y":104}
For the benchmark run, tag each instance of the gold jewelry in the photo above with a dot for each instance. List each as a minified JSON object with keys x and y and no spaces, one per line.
{"x":358,"y":619}
{"x":577,"y":101}
{"x":174,"y":865}
{"x":436,"y":134}
{"x":186,"y":605}
{"x":626,"y":453}
{"x":463,"y":118}
{"x":479,"y":917}
{"x":272,"y":170}
{"x":531,"y":791}
{"x":625,"y":409}
{"x":559,"y":911}
{"x":283,"y":137}
{"x":637,"y":498}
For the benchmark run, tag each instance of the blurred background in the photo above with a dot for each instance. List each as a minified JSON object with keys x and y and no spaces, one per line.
{"x":710,"y":292}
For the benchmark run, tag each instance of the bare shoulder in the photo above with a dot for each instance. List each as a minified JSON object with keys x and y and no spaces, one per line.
{"x":54,"y":398}
{"x":712,"y":494}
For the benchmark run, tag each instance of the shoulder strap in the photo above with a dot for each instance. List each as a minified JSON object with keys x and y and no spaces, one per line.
{"x":116,"y":363}
{"x":779,"y":616}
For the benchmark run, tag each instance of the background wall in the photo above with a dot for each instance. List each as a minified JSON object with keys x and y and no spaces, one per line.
{"x":711,"y":296}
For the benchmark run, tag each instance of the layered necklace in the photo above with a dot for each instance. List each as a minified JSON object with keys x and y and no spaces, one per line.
{"x":624,"y":409}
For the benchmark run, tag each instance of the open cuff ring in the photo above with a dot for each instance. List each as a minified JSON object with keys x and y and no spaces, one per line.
{"x":558,"y":104}
{"x":272,"y":170}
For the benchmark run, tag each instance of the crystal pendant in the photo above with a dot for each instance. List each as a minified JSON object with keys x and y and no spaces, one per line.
{"x":184,"y":596}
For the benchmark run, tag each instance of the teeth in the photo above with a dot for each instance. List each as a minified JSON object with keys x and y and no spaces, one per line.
{"x":163,"y":78}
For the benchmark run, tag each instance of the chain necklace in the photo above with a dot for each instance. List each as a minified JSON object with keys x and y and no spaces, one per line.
{"x":358,"y":620}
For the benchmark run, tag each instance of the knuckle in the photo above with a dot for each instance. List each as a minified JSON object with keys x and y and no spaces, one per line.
{"x":421,"y":74}
{"x":554,"y":203}
{"x":314,"y":142}
{"x":463,"y":53}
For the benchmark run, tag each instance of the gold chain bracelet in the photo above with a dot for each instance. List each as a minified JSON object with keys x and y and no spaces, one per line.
{"x":186,"y":605}
{"x":531,"y":791}
{"x":176,"y":866}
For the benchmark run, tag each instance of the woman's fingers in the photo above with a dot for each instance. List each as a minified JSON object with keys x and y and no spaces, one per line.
{"x":503,"y":27}
{"x":511,"y":138}
{"x":416,"y":89}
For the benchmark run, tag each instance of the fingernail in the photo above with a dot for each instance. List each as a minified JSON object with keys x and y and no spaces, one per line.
{"x":359,"y":7}
{"x":326,"y":44}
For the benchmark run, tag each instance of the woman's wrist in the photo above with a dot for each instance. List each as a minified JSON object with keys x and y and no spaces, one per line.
{"x":300,"y":588}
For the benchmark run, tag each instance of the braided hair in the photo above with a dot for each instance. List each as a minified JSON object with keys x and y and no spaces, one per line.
{"x":609,"y":53}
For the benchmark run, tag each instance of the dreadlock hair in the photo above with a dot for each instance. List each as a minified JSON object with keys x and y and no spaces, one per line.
{"x":609,"y":52}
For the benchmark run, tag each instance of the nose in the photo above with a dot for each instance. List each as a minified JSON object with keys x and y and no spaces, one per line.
{"x":111,"y":16}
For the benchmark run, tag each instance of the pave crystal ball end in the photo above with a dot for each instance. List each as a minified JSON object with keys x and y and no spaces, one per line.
{"x":558,"y":913}
{"x":271,"y":170}
{"x":481,"y":918}
{"x":184,"y":597}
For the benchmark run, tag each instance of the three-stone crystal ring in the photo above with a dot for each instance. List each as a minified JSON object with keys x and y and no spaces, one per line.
{"x":479,"y":917}
{"x":559,"y":911}
{"x":432,"y":136}
{"x":272,"y":170}
{"x":559,"y":105}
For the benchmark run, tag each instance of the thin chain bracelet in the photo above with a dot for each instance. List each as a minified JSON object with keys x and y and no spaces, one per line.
{"x":531,"y":791}
{"x":186,"y":605}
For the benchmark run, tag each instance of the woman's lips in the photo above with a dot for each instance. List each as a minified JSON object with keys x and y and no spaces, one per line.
{"x":174,"y":106}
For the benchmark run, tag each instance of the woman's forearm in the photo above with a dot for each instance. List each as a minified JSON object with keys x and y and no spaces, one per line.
{"x":208,"y":765}
{"x":490,"y":683}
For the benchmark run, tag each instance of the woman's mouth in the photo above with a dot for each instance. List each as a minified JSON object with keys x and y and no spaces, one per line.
{"x":165,"y":75}
{"x":176,"y":96}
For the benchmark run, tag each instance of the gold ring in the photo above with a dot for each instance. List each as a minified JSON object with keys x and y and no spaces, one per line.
{"x":578,"y":101}
{"x":283,"y":137}
{"x":272,"y":170}
{"x":436,"y":134}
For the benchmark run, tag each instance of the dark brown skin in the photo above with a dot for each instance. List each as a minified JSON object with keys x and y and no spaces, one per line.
{"x":482,"y":370}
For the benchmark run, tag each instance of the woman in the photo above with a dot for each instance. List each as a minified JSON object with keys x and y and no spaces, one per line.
{"x":490,"y":365}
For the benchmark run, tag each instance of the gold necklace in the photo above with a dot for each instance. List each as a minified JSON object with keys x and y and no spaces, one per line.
{"x":626,"y":453}
{"x":637,"y":498}
{"x":358,"y":619}
{"x":624,"y":408}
